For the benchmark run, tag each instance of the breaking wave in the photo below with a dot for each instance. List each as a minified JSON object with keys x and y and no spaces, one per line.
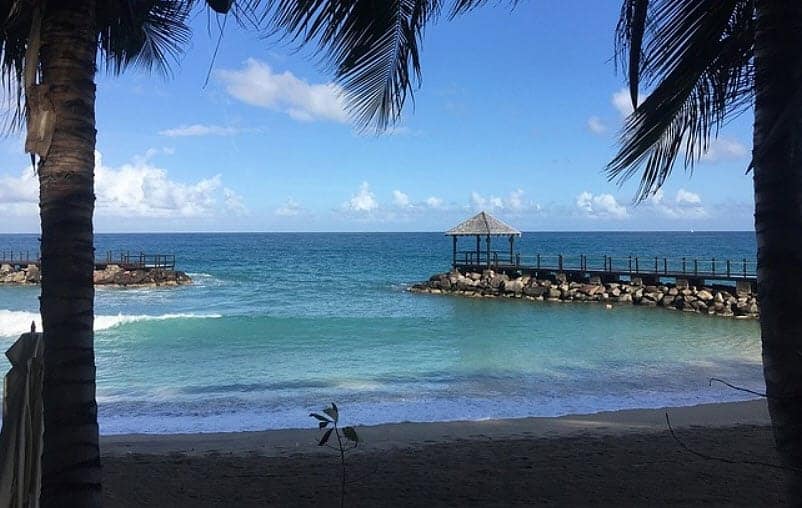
{"x":13,"y":323}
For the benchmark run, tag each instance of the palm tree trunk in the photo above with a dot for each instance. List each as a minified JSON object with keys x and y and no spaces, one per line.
{"x":71,"y":459}
{"x":778,"y":219}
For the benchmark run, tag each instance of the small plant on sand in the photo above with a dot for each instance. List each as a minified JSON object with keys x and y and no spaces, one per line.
{"x":347,"y":439}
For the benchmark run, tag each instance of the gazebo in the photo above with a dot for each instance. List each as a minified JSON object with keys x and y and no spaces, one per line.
{"x":482,"y":225}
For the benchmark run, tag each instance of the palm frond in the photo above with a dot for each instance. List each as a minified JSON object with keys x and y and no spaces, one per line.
{"x":145,"y":33}
{"x":629,"y":42}
{"x":698,"y":59}
{"x":465,"y":6}
{"x":372,"y":47}
{"x":245,"y":12}
{"x":15,"y":29}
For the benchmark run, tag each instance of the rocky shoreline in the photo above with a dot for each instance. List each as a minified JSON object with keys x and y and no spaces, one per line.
{"x":111,"y":275}
{"x":715,"y":301}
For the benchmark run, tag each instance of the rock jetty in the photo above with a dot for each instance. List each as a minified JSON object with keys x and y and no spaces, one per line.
{"x":715,"y":301}
{"x":110,"y":275}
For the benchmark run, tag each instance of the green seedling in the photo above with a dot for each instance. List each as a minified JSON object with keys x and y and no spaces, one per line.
{"x":347,"y":439}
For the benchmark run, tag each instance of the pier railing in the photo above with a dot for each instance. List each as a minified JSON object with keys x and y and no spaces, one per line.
{"x":19,"y":258}
{"x":687,"y":267}
{"x":139,"y":260}
{"x":126,"y":259}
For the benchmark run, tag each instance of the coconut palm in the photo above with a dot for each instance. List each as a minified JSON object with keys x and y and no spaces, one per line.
{"x":706,"y":61}
{"x":49,"y":51}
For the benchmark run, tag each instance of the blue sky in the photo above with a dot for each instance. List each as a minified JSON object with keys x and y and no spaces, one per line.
{"x":517,"y":114}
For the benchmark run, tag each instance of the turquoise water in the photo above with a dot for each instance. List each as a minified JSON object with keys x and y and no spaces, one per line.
{"x":276,"y":325}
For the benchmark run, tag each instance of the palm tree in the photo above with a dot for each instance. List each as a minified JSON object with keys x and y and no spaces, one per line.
{"x":48,"y":56}
{"x":706,"y":61}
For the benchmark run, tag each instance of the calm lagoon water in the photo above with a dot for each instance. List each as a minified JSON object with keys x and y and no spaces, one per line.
{"x":276,"y":325}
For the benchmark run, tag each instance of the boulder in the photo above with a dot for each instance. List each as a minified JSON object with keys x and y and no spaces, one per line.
{"x":32,"y":274}
{"x":497,"y":281}
{"x":554,"y":294}
{"x":5,"y":268}
{"x":535,"y":291}
{"x":513,"y":286}
{"x":704,"y":295}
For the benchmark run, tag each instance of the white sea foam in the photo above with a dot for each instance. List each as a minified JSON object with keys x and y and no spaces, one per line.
{"x":13,"y":323}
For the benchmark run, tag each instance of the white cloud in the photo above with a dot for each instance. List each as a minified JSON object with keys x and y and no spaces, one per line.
{"x":724,"y":149}
{"x":400,"y":199}
{"x":363,"y":201}
{"x":258,"y":85}
{"x":20,"y":189}
{"x":136,"y":189}
{"x":686,"y":205}
{"x":596,"y":125}
{"x":434,"y":202}
{"x":290,"y":208}
{"x":601,"y":206}
{"x":514,"y":202}
{"x":234,"y":202}
{"x":142,"y":189}
{"x":687,"y":197}
{"x":198,"y":129}
{"x":622,"y":102}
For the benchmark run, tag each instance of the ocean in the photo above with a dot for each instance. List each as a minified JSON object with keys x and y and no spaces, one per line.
{"x":276,"y":325}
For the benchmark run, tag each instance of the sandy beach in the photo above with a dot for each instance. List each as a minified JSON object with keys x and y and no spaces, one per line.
{"x":621,"y":458}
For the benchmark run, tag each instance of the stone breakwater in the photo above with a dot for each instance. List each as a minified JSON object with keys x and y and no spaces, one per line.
{"x":110,"y":275}
{"x":715,"y":301}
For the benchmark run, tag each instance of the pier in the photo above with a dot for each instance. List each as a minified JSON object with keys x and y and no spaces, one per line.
{"x":651,"y":270}
{"x":123,"y":259}
{"x":716,"y":287}
{"x":114,"y":269}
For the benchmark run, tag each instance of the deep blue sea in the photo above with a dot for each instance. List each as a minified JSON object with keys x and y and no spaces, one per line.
{"x":276,"y":325}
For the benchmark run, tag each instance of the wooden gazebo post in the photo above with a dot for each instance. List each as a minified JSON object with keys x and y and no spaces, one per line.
{"x":482,"y":225}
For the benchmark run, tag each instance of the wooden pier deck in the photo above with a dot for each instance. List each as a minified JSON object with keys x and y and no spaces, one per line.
{"x":125,"y":260}
{"x":697,"y":271}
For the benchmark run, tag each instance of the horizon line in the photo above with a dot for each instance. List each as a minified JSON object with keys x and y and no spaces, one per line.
{"x":397,"y":232}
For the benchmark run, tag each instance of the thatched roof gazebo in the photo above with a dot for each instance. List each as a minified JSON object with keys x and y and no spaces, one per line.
{"x":482,"y":225}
